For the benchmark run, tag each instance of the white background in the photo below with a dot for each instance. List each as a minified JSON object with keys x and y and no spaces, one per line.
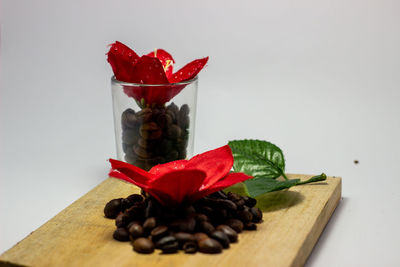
{"x":318,"y":78}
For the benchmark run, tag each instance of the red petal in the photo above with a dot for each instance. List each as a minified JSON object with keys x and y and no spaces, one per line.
{"x":130,"y":173}
{"x":122,"y":59}
{"x":149,"y":70}
{"x":230,"y":179}
{"x":189,"y":71}
{"x":166,"y":60}
{"x":162,"y":169}
{"x":215,"y":163}
{"x":154,"y":94}
{"x":178,"y":185}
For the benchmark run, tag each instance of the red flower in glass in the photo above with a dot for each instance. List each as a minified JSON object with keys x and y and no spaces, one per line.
{"x":183,"y":180}
{"x":155,"y":68}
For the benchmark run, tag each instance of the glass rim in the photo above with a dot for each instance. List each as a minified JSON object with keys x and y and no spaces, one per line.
{"x":114,"y":80}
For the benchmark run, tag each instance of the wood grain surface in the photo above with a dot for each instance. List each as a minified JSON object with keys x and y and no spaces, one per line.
{"x":81,"y":236}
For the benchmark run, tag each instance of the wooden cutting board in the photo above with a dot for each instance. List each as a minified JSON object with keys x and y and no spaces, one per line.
{"x":81,"y":236}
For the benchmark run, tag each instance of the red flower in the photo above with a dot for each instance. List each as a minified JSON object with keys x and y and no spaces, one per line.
{"x":183,"y":180}
{"x":155,"y":68}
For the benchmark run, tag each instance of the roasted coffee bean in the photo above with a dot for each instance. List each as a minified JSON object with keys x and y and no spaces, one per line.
{"x":257,"y":214}
{"x":219,"y":194}
{"x":170,"y":248}
{"x":235,"y":224}
{"x":144,"y":115}
{"x":165,"y":240}
{"x":210,"y":246}
{"x":174,"y":131}
{"x":173,"y":107}
{"x":121,"y":220}
{"x":125,"y":204}
{"x":165,"y":146}
{"x":128,"y":119}
{"x":200,"y":236}
{"x":159,"y":232}
{"x":244,"y":215}
{"x":184,"y":109}
{"x":147,"y":144}
{"x":142,"y":152}
{"x":232,"y":235}
{"x":129,"y":136}
{"x":240,"y":204}
{"x":190,"y":247}
{"x":161,"y":120}
{"x":135,"y":198}
{"x":135,"y":230}
{"x":121,"y":234}
{"x":207,"y":227}
{"x":128,"y":149}
{"x":172,"y":155}
{"x":112,"y":208}
{"x":135,"y":213}
{"x":233,"y":196}
{"x":143,"y":245}
{"x":183,"y":121}
{"x":250,"y":226}
{"x":149,"y":224}
{"x":208,"y":211}
{"x":200,"y":217}
{"x":249,"y":201}
{"x":183,"y":225}
{"x":221,"y":237}
{"x":227,"y":204}
{"x":182,"y":238}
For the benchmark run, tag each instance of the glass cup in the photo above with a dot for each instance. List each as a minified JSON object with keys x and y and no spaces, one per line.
{"x":154,"y":124}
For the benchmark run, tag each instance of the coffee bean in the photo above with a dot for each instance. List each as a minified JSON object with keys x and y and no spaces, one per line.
{"x":233,"y":196}
{"x":149,"y":224}
{"x":249,"y":201}
{"x":235,"y":224}
{"x":174,"y":131}
{"x":200,"y":236}
{"x":144,"y":115}
{"x":130,"y":136}
{"x":128,"y":119}
{"x":227,"y":204}
{"x":183,"y":120}
{"x":250,"y":226}
{"x":135,"y":213}
{"x":121,"y":234}
{"x":199,"y":217}
{"x":244,"y":215}
{"x":159,"y":232}
{"x":125,"y":204}
{"x":219,"y":194}
{"x":143,"y":245}
{"x":232,"y":235}
{"x":221,"y":237}
{"x":257,"y":214}
{"x":240,"y":204}
{"x":183,"y":225}
{"x":135,"y":230}
{"x":135,"y":198}
{"x":210,"y":246}
{"x":112,"y":208}
{"x":142,"y":152}
{"x":121,"y":220}
{"x":165,"y":241}
{"x":184,"y":109}
{"x":190,"y":247}
{"x":173,"y":107}
{"x":172,"y":155}
{"x":128,"y":149}
{"x":146,"y":143}
{"x":207,"y":227}
{"x":182,"y":238}
{"x":170,"y":248}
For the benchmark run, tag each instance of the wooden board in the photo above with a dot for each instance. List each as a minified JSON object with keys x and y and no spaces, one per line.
{"x":80,"y":235}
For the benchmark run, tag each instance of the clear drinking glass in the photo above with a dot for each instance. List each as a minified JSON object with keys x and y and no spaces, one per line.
{"x":158,"y":131}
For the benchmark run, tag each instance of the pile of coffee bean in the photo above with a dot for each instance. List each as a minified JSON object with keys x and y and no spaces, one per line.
{"x":208,"y":225}
{"x":155,"y":135}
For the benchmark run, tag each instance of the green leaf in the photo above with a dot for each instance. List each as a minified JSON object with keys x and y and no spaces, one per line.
{"x":260,"y":185}
{"x":258,"y":158}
